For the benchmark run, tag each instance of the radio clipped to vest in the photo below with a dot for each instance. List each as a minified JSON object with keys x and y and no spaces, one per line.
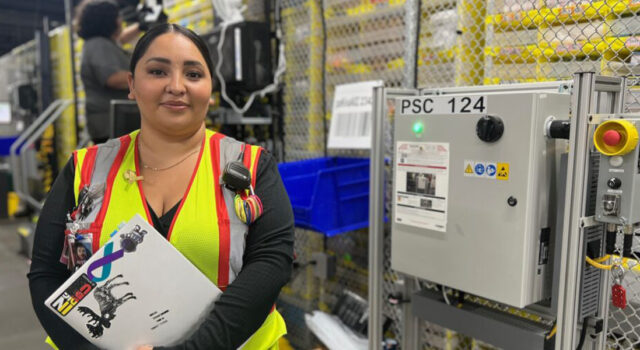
{"x":237,"y":178}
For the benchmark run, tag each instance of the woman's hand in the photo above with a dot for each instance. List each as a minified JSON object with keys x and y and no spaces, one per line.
{"x":145,"y":347}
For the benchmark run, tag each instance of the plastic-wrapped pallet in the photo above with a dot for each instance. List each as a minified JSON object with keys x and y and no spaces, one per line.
{"x":442,"y":28}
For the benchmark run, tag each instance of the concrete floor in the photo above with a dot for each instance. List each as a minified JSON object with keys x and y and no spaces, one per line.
{"x":19,"y":327}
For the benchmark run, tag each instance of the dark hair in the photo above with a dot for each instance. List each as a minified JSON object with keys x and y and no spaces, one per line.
{"x":97,"y":18}
{"x":146,"y":40}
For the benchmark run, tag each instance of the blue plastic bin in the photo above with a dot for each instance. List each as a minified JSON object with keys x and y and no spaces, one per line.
{"x":5,"y":144}
{"x":328,"y":195}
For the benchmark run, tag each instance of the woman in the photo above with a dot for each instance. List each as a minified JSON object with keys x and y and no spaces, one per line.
{"x":169,"y":172}
{"x":104,"y":63}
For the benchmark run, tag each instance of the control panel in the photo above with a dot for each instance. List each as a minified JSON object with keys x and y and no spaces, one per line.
{"x":473,"y":207}
{"x":618,"y":201}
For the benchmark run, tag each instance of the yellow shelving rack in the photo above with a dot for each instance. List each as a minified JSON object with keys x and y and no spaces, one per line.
{"x":62,"y":78}
{"x":586,"y":35}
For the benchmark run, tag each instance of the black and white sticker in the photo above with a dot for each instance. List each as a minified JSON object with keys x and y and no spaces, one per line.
{"x":420,"y":105}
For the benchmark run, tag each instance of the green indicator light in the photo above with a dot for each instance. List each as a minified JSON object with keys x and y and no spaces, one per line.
{"x":418,"y":128}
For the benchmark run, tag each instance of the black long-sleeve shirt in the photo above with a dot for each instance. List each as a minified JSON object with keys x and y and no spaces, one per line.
{"x":239,"y":311}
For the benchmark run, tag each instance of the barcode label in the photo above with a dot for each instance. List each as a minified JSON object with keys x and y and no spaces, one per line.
{"x":354,"y":124}
{"x":351,"y":120}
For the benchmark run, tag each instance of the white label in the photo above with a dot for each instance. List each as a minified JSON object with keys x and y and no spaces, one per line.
{"x":422,"y":184}
{"x":5,"y":113}
{"x":351,"y":115}
{"x":443,"y":105}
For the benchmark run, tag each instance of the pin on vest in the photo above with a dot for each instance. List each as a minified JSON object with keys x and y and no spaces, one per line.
{"x":131,"y":177}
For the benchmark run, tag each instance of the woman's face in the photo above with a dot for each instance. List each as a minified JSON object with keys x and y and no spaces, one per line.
{"x":171,"y":85}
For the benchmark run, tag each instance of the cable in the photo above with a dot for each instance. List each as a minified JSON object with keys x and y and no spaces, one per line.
{"x":229,"y":10}
{"x":444,"y":294}
{"x":553,"y":331}
{"x":280,"y":68}
{"x":597,"y":265}
{"x":625,"y":263}
{"x":583,"y":333}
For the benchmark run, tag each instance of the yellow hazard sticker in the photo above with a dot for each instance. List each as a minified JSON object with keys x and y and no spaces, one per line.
{"x":503,"y":171}
{"x":468,"y":169}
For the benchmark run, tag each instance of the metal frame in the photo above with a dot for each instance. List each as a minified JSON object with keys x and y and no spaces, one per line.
{"x":376,"y":215}
{"x":495,"y":327}
{"x":68,"y":11}
{"x":551,"y":86}
{"x":591,"y":94}
{"x":25,"y":140}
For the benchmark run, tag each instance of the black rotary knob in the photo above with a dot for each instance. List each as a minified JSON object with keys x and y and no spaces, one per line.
{"x":614,"y":183}
{"x":489,"y":128}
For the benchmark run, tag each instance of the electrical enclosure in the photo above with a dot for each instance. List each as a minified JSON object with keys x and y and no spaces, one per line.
{"x":473,"y":205}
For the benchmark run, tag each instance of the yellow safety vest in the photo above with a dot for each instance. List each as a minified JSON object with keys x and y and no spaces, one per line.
{"x":213,"y":241}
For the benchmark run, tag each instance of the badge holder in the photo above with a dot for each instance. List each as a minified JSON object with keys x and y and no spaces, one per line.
{"x":78,"y":242}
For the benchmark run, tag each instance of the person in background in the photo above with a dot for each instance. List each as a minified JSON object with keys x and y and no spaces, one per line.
{"x":104,"y":63}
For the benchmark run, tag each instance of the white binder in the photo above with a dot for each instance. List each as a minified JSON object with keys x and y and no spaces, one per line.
{"x":136,"y":290}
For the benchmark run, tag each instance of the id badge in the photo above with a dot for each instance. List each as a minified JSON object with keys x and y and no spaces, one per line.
{"x":77,"y":249}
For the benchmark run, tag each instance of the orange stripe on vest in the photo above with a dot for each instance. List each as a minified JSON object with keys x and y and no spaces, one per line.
{"x":223,"y":217}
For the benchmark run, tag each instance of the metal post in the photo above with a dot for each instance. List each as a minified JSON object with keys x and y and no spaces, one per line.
{"x":44,"y":62}
{"x":376,"y":219}
{"x":575,"y":202}
{"x":68,"y":7}
{"x":410,"y":323}
{"x":617,"y":106}
{"x":411,"y":35}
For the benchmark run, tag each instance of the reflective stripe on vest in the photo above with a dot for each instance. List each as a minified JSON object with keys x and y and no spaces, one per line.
{"x":213,"y":243}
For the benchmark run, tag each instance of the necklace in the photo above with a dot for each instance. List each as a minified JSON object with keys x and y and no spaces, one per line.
{"x":170,"y":166}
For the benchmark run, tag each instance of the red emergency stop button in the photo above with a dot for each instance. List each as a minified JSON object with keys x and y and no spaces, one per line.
{"x":611,"y":137}
{"x":616,"y":137}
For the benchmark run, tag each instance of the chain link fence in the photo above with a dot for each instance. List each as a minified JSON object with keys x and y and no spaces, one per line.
{"x":460,"y":42}
{"x":624,"y":324}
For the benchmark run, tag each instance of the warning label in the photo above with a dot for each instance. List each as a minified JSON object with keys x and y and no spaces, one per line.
{"x":483,"y":169}
{"x":422,"y":184}
{"x":503,"y":171}
{"x":468,"y":170}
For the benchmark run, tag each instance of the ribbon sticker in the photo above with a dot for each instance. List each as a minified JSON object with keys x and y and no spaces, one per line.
{"x":104,"y":262}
